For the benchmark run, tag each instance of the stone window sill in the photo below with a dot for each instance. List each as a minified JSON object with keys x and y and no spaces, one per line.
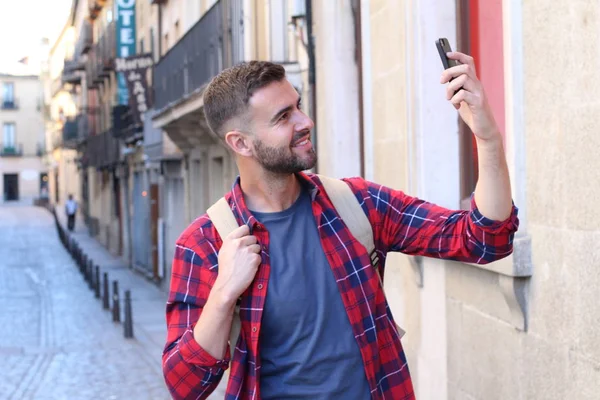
{"x":514,"y":273}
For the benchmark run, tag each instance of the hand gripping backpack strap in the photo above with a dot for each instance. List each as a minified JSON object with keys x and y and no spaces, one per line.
{"x":224,"y":221}
{"x":351,"y":212}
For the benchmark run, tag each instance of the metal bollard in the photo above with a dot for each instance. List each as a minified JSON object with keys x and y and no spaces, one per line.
{"x":86,"y":267}
{"x":91,"y":274}
{"x":105,"y":295}
{"x":116,"y":311}
{"x":79,"y":257}
{"x":128,"y":325}
{"x":97,"y":283}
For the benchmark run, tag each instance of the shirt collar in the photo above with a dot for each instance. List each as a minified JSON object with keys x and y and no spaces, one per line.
{"x":240,"y":209}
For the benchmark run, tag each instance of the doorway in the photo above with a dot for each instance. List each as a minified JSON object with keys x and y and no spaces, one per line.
{"x":11,"y":187}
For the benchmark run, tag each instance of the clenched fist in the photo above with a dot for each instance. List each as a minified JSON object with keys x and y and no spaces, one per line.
{"x":239,"y":259}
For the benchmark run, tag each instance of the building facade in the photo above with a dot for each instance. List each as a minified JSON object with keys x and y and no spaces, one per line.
{"x":24,"y":176}
{"x":523,"y":327}
{"x":60,"y":116}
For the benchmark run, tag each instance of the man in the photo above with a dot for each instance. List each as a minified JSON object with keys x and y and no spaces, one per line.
{"x":71,"y":210}
{"x":315,"y":322}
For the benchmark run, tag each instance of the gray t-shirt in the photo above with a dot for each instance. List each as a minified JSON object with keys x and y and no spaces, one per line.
{"x":307,"y":346}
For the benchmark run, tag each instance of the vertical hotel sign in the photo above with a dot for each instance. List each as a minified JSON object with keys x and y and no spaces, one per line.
{"x":125,"y":10}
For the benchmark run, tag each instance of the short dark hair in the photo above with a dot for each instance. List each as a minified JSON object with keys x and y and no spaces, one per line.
{"x":227,"y":95}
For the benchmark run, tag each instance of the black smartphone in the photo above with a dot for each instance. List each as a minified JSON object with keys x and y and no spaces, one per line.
{"x":444,"y":47}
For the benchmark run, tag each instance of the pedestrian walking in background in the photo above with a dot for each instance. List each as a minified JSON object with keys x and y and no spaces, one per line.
{"x":71,"y":210}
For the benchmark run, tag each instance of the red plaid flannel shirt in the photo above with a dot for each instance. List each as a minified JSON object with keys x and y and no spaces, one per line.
{"x":400,"y":223}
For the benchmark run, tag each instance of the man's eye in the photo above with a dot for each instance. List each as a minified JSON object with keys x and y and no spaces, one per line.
{"x":284,"y":117}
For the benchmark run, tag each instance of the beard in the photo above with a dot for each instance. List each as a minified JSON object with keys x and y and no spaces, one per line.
{"x":283,"y":160}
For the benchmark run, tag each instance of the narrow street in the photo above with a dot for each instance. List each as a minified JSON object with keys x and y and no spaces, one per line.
{"x":56,"y":342}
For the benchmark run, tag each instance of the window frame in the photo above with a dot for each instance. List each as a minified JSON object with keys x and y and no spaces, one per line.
{"x":4,"y":134}
{"x":5,"y":98}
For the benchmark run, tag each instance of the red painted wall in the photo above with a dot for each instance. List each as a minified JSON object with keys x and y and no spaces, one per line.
{"x":487,"y":48}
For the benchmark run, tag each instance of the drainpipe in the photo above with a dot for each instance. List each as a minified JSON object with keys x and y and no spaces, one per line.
{"x":311,"y":74}
{"x":358,"y":57}
{"x":159,"y":30}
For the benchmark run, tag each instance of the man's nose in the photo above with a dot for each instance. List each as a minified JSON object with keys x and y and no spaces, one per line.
{"x":304,"y":122}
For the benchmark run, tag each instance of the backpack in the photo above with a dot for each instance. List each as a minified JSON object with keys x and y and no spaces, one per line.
{"x":346,"y":205}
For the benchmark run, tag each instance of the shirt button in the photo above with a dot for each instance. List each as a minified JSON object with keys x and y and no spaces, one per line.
{"x":260,"y":286}
{"x":254,"y":329}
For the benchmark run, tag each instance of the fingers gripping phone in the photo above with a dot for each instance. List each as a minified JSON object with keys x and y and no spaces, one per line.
{"x":444,"y":47}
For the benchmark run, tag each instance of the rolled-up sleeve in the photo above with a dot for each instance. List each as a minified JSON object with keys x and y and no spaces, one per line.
{"x":410,"y":225}
{"x":189,"y":371}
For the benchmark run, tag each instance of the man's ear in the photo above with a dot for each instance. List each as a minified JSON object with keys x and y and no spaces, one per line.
{"x":239,"y":142}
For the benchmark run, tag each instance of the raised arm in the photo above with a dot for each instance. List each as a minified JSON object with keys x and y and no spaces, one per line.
{"x":407,"y":224}
{"x":466,"y":93}
{"x":485,"y":233}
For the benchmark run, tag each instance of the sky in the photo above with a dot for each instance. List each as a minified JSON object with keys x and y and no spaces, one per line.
{"x":23,"y":24}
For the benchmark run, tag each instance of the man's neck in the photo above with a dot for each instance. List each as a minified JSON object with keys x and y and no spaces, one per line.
{"x":268,"y":192}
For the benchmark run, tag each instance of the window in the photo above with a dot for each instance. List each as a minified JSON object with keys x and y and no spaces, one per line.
{"x":8,"y":93}
{"x":217,"y":178}
{"x":8,"y":135}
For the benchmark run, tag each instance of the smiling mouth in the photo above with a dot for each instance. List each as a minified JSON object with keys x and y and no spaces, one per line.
{"x":301,"y":142}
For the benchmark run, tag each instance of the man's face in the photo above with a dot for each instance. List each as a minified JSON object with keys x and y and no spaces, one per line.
{"x":281,"y":131}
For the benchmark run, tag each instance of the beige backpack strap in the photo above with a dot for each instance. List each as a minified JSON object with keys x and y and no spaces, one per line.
{"x":224,"y":221}
{"x":222,"y":217}
{"x":350,"y":210}
{"x":354,"y":217}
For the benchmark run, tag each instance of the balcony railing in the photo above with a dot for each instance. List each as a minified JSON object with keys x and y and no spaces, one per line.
{"x":91,"y":69}
{"x":193,"y":61}
{"x":70,"y":132}
{"x":11,"y":104}
{"x":107,"y":50}
{"x":71,"y":70}
{"x":85,"y":39}
{"x":11,"y":149}
{"x":102,"y":150}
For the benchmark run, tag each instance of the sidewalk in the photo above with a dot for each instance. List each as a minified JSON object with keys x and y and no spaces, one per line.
{"x":147,"y":300}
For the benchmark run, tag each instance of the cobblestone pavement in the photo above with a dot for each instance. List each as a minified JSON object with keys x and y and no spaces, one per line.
{"x":56,"y":342}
